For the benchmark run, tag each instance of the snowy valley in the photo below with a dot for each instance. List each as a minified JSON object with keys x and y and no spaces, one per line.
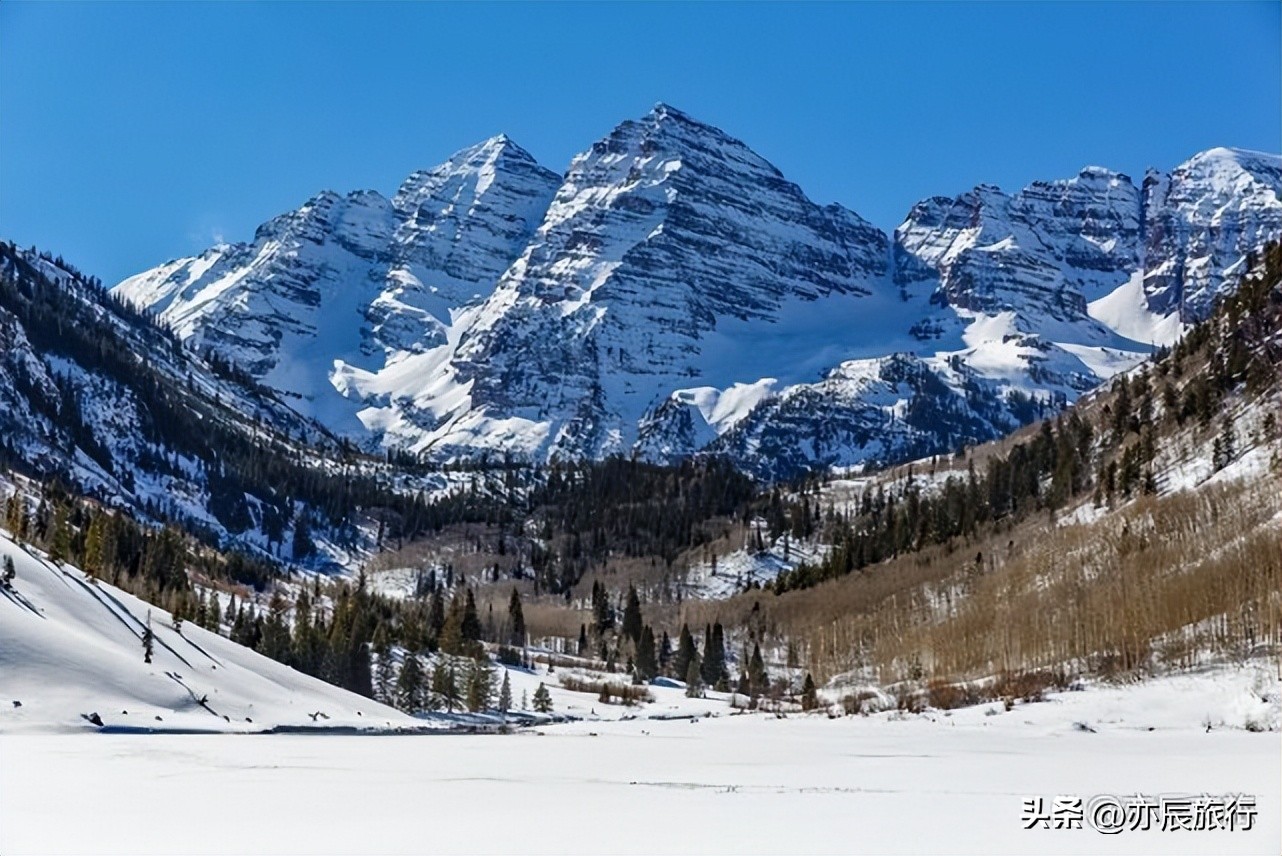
{"x":652,"y":506}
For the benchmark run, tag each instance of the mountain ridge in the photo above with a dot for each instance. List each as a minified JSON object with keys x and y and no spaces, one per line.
{"x":506,"y":309}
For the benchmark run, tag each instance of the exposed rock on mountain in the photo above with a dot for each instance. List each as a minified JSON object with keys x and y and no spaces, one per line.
{"x":1202,"y":221}
{"x":674,"y":293}
{"x":354,"y":280}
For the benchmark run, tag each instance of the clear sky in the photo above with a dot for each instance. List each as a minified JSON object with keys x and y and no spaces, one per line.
{"x":135,"y":133}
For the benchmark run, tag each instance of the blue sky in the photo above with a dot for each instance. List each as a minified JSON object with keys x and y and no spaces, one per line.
{"x":135,"y":133}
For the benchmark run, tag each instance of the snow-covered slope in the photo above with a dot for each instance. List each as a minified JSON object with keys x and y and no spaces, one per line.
{"x":673,"y":293}
{"x":70,"y":646}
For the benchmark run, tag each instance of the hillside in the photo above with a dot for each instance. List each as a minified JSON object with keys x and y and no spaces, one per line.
{"x":72,"y":647}
{"x":1134,"y":534}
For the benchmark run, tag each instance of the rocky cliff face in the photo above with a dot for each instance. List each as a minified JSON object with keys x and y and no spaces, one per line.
{"x":1202,"y":221}
{"x":661,"y":233}
{"x":1042,"y":253}
{"x":674,"y":293}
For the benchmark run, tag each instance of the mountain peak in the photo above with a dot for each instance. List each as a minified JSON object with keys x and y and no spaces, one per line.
{"x":662,"y":110}
{"x":1236,"y":155}
{"x":498,"y":154}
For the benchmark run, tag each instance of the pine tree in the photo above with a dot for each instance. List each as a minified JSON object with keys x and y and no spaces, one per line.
{"x":471,"y":627}
{"x":409,"y":685}
{"x":446,"y":684}
{"x":809,"y":694}
{"x":647,"y":665}
{"x":686,"y":652}
{"x":583,"y":640}
{"x":694,"y":681}
{"x":60,"y":538}
{"x":505,"y":695}
{"x":274,"y":641}
{"x":714,"y":655}
{"x":451,"y":636}
{"x":542,"y":700}
{"x":212,"y":612}
{"x":602,"y":615}
{"x":436,"y":617}
{"x":480,"y":684}
{"x":758,"y":680}
{"x":10,"y":572}
{"x":632,"y":616}
{"x":303,"y":545}
{"x":719,"y":648}
{"x":148,"y":640}
{"x":383,"y":667}
{"x":516,"y":620}
{"x":94,"y":546}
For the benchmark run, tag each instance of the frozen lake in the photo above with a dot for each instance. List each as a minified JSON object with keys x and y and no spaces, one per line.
{"x":724,"y":785}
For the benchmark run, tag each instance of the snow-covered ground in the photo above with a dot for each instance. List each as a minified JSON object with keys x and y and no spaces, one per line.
{"x":70,"y":648}
{"x":617,"y":779}
{"x":738,"y":784}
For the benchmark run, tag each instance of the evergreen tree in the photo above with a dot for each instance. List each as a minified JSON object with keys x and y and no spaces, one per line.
{"x":714,"y":656}
{"x":632,"y":616}
{"x":148,"y":640}
{"x":409,"y":685}
{"x":665,"y":653}
{"x":542,"y":700}
{"x":694,"y":680}
{"x":60,"y":537}
{"x":436,"y":617}
{"x":10,"y":572}
{"x":303,"y":545}
{"x":647,"y":665}
{"x":94,"y":546}
{"x":719,"y":647}
{"x":480,"y":684}
{"x":686,"y":652}
{"x":212,"y":612}
{"x":505,"y":695}
{"x":275,"y":640}
{"x":383,"y":667}
{"x":602,"y":614}
{"x":516,"y":620}
{"x":583,"y":640}
{"x":471,"y":626}
{"x":445,"y":683}
{"x":809,"y":694}
{"x":758,"y":680}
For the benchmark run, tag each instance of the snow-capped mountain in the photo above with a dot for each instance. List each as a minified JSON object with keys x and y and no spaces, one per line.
{"x":669,"y":248}
{"x":352,"y":283}
{"x":1200,"y":224}
{"x":674,"y":293}
{"x":100,"y":400}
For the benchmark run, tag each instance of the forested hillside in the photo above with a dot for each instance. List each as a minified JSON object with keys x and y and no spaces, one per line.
{"x":1135,"y":531}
